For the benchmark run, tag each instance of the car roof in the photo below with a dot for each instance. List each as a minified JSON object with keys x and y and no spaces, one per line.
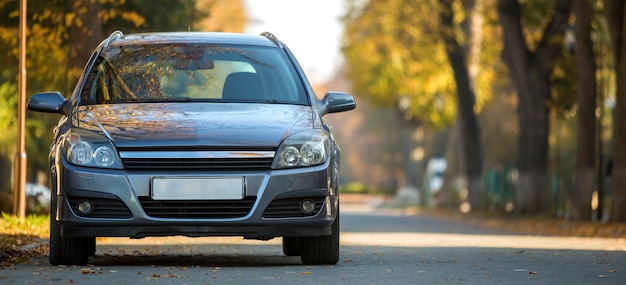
{"x":194,"y":37}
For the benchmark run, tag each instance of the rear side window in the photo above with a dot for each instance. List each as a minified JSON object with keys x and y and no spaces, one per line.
{"x":192,"y":72}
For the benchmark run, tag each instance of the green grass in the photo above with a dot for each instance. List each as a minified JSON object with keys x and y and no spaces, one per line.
{"x":15,"y":232}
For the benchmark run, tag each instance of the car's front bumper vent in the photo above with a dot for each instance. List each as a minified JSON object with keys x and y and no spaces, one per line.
{"x":198,"y":160}
{"x":104,"y":208}
{"x":191,"y":209}
{"x":290,"y":207}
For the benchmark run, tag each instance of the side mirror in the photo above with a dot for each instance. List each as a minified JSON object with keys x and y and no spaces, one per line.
{"x":48,"y":102}
{"x":335,"y":102}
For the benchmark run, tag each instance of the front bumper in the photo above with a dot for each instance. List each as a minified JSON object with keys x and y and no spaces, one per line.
{"x":123,"y":207}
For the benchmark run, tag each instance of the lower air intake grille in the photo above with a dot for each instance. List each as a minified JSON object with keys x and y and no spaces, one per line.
{"x":109,"y":208}
{"x":190,"y":209}
{"x":290,"y":207}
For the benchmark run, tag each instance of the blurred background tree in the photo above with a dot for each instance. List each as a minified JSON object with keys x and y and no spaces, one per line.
{"x":531,"y":59}
{"x":462,"y":59}
{"x":385,"y":45}
{"x":586,"y":154}
{"x":615,"y":11}
{"x":398,"y":55}
{"x":525,"y":93}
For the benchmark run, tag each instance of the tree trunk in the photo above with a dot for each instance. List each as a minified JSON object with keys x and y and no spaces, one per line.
{"x":585,"y":148}
{"x":616,"y":20}
{"x":410,"y":180}
{"x":453,"y":177}
{"x":532,"y":143}
{"x":468,"y":125}
{"x":530,"y":71}
{"x":85,"y":34}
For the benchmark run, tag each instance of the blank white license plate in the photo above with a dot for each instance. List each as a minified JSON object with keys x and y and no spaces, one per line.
{"x":213,"y":188}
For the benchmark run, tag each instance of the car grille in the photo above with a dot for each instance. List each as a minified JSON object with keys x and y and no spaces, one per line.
{"x":185,"y":209}
{"x":196,"y":160}
{"x":197,"y":164}
{"x":109,"y":208}
{"x":290,"y":207}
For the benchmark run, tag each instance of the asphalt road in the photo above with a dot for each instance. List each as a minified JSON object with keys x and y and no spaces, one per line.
{"x":379,"y":246}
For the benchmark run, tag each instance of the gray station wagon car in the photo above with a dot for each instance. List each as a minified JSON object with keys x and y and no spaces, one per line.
{"x":193,"y":134}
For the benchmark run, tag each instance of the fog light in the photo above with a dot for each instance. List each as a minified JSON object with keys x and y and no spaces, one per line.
{"x":307,"y":206}
{"x":85,"y":207}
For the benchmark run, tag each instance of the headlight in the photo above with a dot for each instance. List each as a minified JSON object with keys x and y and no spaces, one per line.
{"x":88,"y":149}
{"x":303,"y":149}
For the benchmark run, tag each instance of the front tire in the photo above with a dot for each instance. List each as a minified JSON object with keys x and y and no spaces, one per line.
{"x":91,"y":246}
{"x":292,"y":246}
{"x":323,"y":249}
{"x":68,"y":250}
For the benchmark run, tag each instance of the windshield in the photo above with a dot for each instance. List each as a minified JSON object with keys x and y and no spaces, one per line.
{"x":192,"y":72}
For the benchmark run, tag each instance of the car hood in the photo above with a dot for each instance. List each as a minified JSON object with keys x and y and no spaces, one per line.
{"x":200,"y":125}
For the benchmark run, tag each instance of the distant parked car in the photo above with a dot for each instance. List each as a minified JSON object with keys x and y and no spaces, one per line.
{"x":435,"y":170}
{"x":37,"y":197}
{"x":194,"y":134}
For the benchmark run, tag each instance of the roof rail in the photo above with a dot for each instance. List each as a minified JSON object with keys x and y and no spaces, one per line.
{"x":272,"y":38}
{"x":114,"y":36}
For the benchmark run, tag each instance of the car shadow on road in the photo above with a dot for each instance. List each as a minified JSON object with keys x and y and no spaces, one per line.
{"x":221,"y":260}
{"x":194,"y":255}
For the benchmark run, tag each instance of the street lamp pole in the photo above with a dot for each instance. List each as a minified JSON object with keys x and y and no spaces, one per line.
{"x":19,"y":181}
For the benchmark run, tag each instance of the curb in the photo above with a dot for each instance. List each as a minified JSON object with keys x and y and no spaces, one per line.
{"x":36,"y":244}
